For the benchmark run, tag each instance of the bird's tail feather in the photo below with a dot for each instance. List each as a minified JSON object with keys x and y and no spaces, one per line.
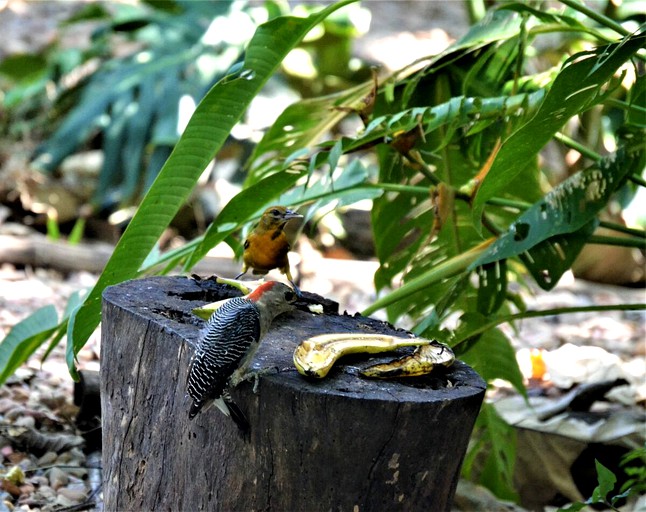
{"x":238,"y":418}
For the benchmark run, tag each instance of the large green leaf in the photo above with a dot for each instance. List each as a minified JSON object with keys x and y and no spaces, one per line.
{"x":548,"y":260}
{"x":577,"y":87}
{"x":25,"y":337}
{"x":207,"y":130}
{"x":500,"y":440}
{"x":567,"y":208}
{"x":300,"y":125}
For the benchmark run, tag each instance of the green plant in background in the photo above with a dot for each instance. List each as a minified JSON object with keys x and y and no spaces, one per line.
{"x":129,"y":106}
{"x":605,"y":494}
{"x":461,"y":204}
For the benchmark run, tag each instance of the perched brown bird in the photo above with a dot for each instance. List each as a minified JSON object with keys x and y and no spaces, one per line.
{"x":267,"y":245}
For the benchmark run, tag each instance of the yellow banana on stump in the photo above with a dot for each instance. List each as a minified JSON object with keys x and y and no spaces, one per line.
{"x":315,"y":356}
{"x":421,"y":362}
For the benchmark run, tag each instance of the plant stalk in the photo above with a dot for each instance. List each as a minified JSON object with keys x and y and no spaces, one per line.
{"x":548,"y":312}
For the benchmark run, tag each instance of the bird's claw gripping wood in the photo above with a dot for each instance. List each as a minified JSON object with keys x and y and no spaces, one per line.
{"x":315,"y":356}
{"x":421,"y":362}
{"x":251,"y":375}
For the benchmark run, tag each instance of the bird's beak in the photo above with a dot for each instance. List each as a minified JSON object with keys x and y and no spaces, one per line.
{"x":291,"y":214}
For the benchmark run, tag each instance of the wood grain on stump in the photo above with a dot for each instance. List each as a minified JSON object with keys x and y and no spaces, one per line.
{"x":342,"y":443}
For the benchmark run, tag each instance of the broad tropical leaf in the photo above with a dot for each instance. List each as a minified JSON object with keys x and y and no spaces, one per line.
{"x":207,"y":130}
{"x":577,"y":87}
{"x":566,"y":209}
{"x":25,"y":337}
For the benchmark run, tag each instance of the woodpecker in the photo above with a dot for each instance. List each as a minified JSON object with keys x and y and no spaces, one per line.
{"x":267,"y":245}
{"x":231,"y":338}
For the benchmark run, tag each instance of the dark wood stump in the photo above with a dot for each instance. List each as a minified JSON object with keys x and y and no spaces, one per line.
{"x":343,"y":443}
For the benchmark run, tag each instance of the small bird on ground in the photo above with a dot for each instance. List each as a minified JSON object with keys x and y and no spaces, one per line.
{"x":267,"y":245}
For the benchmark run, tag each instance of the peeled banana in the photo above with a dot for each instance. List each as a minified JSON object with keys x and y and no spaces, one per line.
{"x":315,"y":356}
{"x":420,"y":362}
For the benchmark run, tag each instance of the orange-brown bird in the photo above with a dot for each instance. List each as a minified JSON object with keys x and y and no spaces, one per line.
{"x":267,"y":245}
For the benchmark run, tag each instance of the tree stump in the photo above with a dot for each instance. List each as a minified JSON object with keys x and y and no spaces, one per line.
{"x":343,"y":443}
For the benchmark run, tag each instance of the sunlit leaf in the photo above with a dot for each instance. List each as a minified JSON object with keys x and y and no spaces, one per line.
{"x":567,"y":208}
{"x":24,"y":338}
{"x":577,"y":87}
{"x":300,"y":125}
{"x":207,"y":130}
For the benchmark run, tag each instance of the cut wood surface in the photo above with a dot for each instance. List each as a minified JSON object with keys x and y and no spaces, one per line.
{"x":341,"y":443}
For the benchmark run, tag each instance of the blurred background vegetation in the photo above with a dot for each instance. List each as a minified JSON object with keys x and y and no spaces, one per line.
{"x":496,"y":164}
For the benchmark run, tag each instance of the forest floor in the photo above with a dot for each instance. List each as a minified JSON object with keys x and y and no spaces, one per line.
{"x":45,"y":463}
{"x":38,"y":412}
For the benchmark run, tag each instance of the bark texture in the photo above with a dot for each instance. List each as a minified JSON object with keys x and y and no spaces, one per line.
{"x":343,"y":443}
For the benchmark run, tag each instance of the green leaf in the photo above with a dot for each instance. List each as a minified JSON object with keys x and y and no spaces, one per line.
{"x":492,"y":288}
{"x":500,"y":441}
{"x":458,"y":111}
{"x":548,"y":260}
{"x":24,"y":338}
{"x":444,"y":270}
{"x":345,"y":186}
{"x":300,"y":125}
{"x":555,"y":19}
{"x":566,"y":209}
{"x":577,"y":87}
{"x":607,"y":481}
{"x":72,"y":303}
{"x":23,"y":67}
{"x":207,"y":130}
{"x":492,"y":355}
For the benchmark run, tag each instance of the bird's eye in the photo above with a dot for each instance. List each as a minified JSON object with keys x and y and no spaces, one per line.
{"x":275,"y":212}
{"x":289,"y":296}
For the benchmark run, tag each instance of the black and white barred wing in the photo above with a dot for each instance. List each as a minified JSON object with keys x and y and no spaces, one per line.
{"x":227,"y":339}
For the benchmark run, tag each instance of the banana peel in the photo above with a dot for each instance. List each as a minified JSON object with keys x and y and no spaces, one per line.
{"x":315,"y":356}
{"x":421,"y":362}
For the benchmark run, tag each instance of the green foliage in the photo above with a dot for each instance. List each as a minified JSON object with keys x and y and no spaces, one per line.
{"x":207,"y":130}
{"x":550,"y":234}
{"x":461,"y":207}
{"x":494,"y":440}
{"x":634,"y":465}
{"x":129,"y":105}
{"x":605,"y":494}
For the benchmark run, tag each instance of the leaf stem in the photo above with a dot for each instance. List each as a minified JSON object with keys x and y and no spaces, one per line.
{"x":623,"y":229}
{"x":508,"y":203}
{"x":618,"y":241}
{"x":476,"y":9}
{"x":444,"y":270}
{"x":547,"y":312}
{"x":571,"y":143}
{"x":614,"y":102}
{"x":637,"y":179}
{"x":596,"y":16}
